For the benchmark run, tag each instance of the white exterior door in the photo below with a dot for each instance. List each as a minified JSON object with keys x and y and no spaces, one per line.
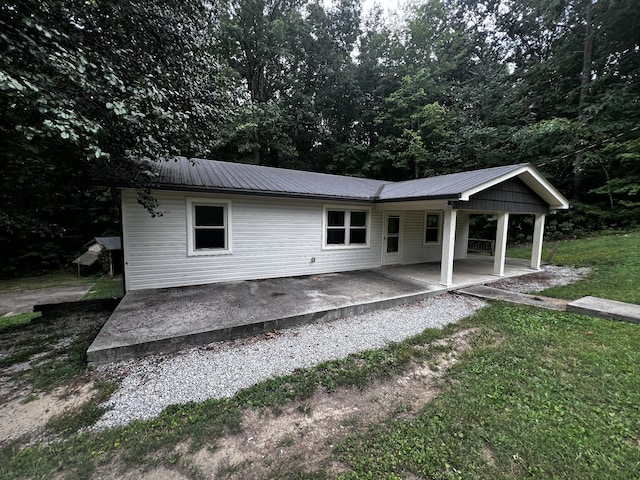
{"x":392,"y":238}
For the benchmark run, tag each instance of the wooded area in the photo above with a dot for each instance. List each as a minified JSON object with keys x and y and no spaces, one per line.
{"x":447,"y":86}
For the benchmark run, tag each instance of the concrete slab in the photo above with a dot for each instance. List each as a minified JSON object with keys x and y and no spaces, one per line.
{"x":601,"y":307}
{"x":473,"y":270}
{"x":23,"y":302}
{"x":149,"y":321}
{"x":490,"y":293}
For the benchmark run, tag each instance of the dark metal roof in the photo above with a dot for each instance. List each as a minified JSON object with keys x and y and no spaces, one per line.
{"x":220,"y":177}
{"x":444,"y":186}
{"x":110,"y":243}
{"x":243,"y":178}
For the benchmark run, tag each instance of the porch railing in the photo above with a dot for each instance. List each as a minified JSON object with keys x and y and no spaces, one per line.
{"x":479,"y":245}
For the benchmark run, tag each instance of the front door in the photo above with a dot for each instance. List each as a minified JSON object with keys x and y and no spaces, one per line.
{"x":392,"y":239}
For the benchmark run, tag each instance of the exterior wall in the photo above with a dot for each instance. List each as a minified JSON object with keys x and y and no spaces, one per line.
{"x":413,"y":248}
{"x":462,"y":235}
{"x":270,"y":238}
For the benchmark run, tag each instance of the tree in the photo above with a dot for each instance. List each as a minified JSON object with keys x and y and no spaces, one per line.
{"x":88,"y":85}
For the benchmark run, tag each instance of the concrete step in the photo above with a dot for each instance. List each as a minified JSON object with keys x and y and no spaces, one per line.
{"x":490,"y":293}
{"x":601,"y":307}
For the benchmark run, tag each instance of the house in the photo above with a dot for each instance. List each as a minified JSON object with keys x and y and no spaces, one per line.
{"x":112,"y":246}
{"x":226,"y":222}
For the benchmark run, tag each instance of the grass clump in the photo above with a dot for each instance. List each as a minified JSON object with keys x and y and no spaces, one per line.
{"x":105,"y":287}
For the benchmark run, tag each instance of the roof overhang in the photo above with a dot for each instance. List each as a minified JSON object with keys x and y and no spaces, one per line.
{"x":256,"y":193}
{"x":533,"y":179}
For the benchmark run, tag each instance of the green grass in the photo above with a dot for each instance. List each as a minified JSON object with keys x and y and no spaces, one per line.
{"x":52,"y":279}
{"x":105,"y":287}
{"x":615,"y":260}
{"x":542,"y":394}
{"x":15,"y":321}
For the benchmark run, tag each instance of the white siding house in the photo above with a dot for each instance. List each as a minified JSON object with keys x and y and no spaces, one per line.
{"x":269,"y":238}
{"x":226,"y":222}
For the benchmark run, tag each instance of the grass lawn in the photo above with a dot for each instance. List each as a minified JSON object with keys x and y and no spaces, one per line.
{"x":540,"y":394}
{"x":615,"y":260}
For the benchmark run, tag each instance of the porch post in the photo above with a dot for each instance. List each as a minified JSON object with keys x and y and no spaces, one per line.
{"x":501,"y":244}
{"x":538,"y":235}
{"x":448,"y":246}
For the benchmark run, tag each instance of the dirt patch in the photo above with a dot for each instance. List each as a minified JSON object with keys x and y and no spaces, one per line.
{"x":303,"y":435}
{"x":30,"y":356}
{"x":28,"y":412}
{"x":159,"y":473}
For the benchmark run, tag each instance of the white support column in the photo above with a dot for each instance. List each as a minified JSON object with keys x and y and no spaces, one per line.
{"x":538,"y":235}
{"x":448,"y":246}
{"x":501,"y":244}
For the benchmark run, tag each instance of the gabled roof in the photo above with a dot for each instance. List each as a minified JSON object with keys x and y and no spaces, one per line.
{"x":225,"y":177}
{"x":444,"y":186}
{"x":462,"y":186}
{"x":110,"y":243}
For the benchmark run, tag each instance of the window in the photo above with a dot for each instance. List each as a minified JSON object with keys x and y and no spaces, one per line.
{"x":346,"y":228}
{"x":432,"y":228}
{"x":208,"y":226}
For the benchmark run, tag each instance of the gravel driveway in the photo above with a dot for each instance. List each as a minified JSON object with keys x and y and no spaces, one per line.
{"x":149,"y":385}
{"x":220,"y":369}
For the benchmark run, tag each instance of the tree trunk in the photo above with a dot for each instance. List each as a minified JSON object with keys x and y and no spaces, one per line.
{"x":585,"y":81}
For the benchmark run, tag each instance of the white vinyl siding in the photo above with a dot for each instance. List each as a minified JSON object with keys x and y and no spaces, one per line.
{"x":271,"y":238}
{"x":462,"y":235}
{"x":414,"y":250}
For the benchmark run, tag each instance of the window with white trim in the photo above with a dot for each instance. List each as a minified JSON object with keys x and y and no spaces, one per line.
{"x":346,"y":228}
{"x":432,"y":227}
{"x":208,"y":227}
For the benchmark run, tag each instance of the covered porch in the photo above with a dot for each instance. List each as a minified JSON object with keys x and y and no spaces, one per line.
{"x":439,"y":230}
{"x":473,"y":270}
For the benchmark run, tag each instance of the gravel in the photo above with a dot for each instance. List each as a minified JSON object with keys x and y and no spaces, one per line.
{"x":551,"y":276}
{"x":149,"y":385}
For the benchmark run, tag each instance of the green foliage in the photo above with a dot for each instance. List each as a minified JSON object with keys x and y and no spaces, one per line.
{"x":92,"y":85}
{"x":448,"y":86}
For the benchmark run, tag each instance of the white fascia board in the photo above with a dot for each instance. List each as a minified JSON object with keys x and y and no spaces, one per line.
{"x":533,"y":179}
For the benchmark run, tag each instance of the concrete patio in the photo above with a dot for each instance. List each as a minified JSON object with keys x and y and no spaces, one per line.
{"x":152,"y":321}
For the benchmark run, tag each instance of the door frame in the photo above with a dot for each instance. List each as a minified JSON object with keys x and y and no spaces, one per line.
{"x":397,"y":260}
